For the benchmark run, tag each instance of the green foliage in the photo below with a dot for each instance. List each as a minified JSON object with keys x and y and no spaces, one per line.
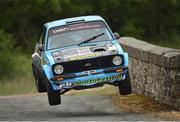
{"x":12,"y":62}
{"x":21,"y":81}
{"x":7,"y":63}
{"x":6,"y":43}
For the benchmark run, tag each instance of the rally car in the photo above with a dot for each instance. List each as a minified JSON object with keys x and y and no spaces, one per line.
{"x":79,"y":53}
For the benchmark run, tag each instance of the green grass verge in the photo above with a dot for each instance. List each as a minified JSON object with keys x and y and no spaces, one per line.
{"x":17,"y":86}
{"x":21,"y":81}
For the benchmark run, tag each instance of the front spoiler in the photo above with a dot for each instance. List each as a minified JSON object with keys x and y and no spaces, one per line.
{"x":109,"y":76}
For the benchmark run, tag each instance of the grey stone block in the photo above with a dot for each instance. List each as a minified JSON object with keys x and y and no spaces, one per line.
{"x":177,"y":78}
{"x":175,"y":89}
{"x":177,"y":104}
{"x":172,"y":59}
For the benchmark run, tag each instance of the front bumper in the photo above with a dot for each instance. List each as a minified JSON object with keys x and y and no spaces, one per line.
{"x":90,"y":78}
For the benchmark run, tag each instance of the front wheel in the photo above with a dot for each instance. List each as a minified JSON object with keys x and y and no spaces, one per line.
{"x":125,"y":86}
{"x":54,"y":97}
{"x":41,"y":87}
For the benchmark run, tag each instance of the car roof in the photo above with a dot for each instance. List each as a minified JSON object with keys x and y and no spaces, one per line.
{"x":72,"y":20}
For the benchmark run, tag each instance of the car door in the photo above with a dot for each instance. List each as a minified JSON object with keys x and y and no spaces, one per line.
{"x":38,"y":54}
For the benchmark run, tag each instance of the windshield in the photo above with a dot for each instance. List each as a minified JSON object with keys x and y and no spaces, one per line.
{"x":77,"y":33}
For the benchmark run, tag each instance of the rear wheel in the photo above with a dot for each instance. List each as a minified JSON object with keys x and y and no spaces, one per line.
{"x":125,"y":86}
{"x":41,"y":87}
{"x":54,"y":97}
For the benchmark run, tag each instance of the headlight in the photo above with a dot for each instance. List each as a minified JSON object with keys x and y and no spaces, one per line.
{"x":58,"y":69}
{"x":117,"y":60}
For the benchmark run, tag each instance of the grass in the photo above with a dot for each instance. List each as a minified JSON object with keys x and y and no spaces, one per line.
{"x":22,"y":81}
{"x":17,"y":86}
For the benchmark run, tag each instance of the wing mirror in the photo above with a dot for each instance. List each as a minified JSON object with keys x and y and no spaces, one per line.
{"x":41,"y":47}
{"x":116,"y":35}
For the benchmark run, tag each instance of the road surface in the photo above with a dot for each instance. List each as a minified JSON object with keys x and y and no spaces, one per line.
{"x":81,"y":107}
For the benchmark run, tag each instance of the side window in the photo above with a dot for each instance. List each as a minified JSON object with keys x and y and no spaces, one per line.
{"x":41,"y":40}
{"x":42,"y":36}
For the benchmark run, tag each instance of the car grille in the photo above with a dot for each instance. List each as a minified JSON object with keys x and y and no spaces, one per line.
{"x":88,"y":64}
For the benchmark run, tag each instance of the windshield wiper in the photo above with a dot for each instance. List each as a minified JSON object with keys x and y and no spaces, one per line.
{"x":90,"y":39}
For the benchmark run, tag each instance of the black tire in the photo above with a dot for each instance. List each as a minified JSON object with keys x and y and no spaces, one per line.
{"x":41,"y":87}
{"x":125,"y":86}
{"x":54,"y":97}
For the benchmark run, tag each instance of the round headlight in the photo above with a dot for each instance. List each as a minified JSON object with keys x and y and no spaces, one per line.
{"x":117,"y":60}
{"x":58,"y":69}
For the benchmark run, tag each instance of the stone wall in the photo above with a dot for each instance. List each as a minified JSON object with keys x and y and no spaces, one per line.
{"x":154,"y":70}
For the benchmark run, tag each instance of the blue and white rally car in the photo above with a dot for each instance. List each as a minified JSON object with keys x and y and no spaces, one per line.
{"x":79,"y":53}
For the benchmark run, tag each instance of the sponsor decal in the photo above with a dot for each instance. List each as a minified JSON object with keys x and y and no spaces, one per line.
{"x":91,"y":81}
{"x":72,"y":28}
{"x":65,"y":85}
{"x":86,"y":56}
{"x":60,"y":30}
{"x":98,"y":80}
{"x":75,"y":27}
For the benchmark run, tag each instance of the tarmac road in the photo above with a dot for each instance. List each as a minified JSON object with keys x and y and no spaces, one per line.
{"x":81,"y":107}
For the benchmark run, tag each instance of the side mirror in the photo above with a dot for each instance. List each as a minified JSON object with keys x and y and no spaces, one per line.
{"x":41,"y":47}
{"x":117,"y":36}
